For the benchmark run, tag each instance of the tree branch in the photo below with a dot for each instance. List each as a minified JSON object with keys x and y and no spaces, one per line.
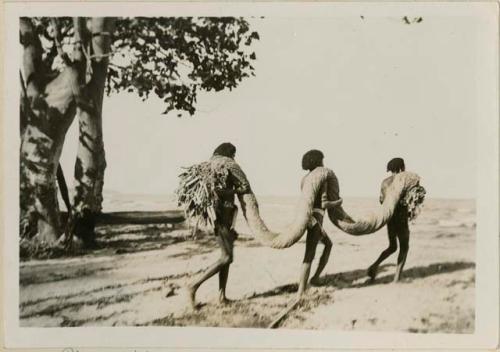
{"x":32,"y":58}
{"x":57,"y":41}
{"x":81,"y":38}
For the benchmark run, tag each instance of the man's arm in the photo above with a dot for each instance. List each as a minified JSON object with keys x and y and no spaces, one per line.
{"x":332,"y":203}
{"x":241,"y":181}
{"x":325,"y":203}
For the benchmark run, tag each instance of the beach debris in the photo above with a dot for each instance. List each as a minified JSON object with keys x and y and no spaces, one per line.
{"x":171,"y":292}
{"x":197,"y":193}
{"x":276,"y":322}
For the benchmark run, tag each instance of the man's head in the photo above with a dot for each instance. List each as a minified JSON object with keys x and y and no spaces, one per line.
{"x":312,"y":159}
{"x":396,"y":165}
{"x":226,"y":149}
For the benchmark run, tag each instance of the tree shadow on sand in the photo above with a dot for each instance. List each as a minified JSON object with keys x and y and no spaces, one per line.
{"x":121,"y":239}
{"x":354,"y":278}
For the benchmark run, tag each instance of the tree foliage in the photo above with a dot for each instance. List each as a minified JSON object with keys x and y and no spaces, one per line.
{"x":173,"y":58}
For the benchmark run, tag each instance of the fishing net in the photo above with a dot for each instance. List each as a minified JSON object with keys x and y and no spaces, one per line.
{"x":413,"y":201}
{"x":197,"y":191}
{"x":197,"y":194}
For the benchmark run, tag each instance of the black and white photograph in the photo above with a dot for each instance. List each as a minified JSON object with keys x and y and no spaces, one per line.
{"x":326,"y":168}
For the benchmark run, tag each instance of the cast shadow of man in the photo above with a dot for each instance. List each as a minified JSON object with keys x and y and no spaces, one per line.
{"x":358,"y":278}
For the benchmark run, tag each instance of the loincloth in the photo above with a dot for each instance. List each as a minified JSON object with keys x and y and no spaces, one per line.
{"x":226,"y":219}
{"x":313,"y":221}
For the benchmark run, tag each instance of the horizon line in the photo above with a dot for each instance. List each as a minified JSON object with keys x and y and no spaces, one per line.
{"x":159,"y":194}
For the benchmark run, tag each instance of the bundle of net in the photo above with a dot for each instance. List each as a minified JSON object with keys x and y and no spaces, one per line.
{"x":197,"y":192}
{"x":413,"y":200}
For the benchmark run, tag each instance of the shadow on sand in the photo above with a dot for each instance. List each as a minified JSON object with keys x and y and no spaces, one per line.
{"x":351,"y":279}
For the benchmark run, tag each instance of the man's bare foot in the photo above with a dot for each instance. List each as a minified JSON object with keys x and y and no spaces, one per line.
{"x":300,"y":297}
{"x":191,"y":294}
{"x":372,"y":273}
{"x":223,"y":300}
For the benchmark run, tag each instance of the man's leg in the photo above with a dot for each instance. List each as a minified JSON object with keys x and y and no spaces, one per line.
{"x":223,"y":276}
{"x":224,"y":272}
{"x":312,"y":239}
{"x":393,"y":246}
{"x":404,"y":245}
{"x":323,"y":260}
{"x":224,"y":260}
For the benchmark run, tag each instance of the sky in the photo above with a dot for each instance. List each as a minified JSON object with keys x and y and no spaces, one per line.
{"x":361,"y":90}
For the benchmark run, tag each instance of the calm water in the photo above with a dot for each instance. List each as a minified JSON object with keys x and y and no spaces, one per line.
{"x":278,"y":211}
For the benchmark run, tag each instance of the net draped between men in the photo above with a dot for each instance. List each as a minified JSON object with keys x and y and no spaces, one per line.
{"x":403,"y":182}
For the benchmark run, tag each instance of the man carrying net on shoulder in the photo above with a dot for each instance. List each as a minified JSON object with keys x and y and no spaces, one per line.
{"x":315,"y":232}
{"x":223,"y":225}
{"x":398,"y":229}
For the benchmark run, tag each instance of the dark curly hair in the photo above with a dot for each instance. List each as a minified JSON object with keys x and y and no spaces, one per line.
{"x":396,"y":165}
{"x":312,"y":159}
{"x":225,"y":149}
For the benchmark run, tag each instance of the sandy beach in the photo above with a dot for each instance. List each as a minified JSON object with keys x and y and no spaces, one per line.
{"x":138,"y":276}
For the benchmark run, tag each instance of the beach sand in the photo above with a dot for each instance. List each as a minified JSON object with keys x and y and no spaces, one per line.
{"x":137,"y":278}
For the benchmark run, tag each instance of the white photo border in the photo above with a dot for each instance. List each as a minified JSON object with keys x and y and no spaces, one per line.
{"x":487,"y":235}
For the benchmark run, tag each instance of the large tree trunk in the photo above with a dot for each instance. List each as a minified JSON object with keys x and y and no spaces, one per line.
{"x":48,"y":110}
{"x":90,"y":162}
{"x":27,"y":216}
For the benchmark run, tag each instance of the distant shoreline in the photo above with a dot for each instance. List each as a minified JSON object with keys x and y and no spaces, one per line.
{"x":171,"y":196}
